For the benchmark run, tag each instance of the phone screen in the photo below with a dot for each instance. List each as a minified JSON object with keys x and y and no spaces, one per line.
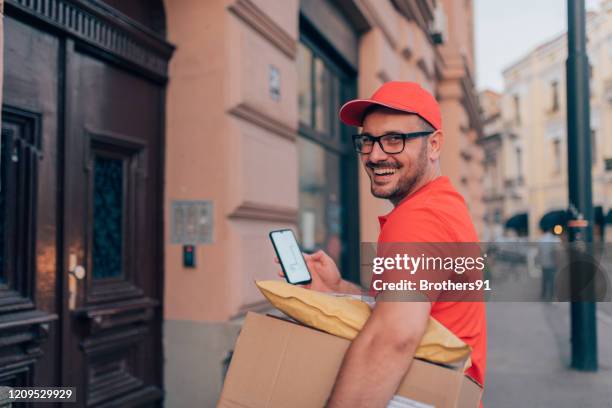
{"x":290,"y":256}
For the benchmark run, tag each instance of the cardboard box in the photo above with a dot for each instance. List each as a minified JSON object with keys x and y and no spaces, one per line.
{"x":281,"y":364}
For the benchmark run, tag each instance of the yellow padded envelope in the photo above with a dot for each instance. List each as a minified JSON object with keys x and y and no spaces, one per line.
{"x":345,"y":316}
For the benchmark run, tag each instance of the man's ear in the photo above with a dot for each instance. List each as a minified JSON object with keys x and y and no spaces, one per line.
{"x":436,"y":141}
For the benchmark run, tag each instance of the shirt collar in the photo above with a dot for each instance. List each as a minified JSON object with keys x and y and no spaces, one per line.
{"x":382,"y":219}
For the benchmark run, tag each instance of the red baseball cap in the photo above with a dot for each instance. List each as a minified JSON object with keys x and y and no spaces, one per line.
{"x":403,"y":96}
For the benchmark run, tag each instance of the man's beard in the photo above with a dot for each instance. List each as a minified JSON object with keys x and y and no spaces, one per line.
{"x":406,"y":185}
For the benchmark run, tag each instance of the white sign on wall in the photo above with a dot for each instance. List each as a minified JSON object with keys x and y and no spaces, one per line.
{"x":274,"y":83}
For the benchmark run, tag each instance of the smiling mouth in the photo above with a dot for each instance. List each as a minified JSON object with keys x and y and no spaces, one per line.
{"x":384,"y":171}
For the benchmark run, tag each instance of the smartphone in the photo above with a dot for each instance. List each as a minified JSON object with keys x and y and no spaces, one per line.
{"x":290,"y":257}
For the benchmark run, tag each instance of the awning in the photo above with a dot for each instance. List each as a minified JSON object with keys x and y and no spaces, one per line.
{"x":560,"y":217}
{"x":609,"y":217}
{"x":518,"y":222}
{"x":552,"y":218}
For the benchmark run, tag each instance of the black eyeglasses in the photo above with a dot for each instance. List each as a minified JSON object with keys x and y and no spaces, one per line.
{"x":391,"y":143}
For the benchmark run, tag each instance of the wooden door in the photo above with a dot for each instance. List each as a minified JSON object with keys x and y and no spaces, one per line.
{"x":113,"y":230}
{"x":82,"y":169}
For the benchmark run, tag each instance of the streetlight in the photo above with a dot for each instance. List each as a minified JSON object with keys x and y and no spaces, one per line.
{"x":580,"y":226}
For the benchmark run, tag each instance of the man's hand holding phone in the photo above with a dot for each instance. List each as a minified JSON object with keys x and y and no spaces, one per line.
{"x":325,"y":274}
{"x":316,"y":271}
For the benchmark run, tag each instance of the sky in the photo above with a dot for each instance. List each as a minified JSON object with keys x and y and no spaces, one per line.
{"x":506,"y":30}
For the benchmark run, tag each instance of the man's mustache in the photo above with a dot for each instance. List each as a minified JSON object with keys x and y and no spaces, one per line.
{"x":386,"y":165}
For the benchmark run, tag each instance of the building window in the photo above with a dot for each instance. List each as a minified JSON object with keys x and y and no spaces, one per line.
{"x":555,"y":96}
{"x":519,"y":163}
{"x":327,"y":164}
{"x":318,"y":94}
{"x":304,"y":61}
{"x":323,"y":94}
{"x":517,"y":109}
{"x":494,"y":178}
{"x":497,"y":216}
{"x":108,"y":204}
{"x":557,"y":156}
{"x":320,"y":198}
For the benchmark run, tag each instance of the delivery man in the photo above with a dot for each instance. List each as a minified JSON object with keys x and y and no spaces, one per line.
{"x":400,"y":146}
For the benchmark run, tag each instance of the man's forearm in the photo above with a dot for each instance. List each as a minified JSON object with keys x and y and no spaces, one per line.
{"x":371,"y":372}
{"x":380,"y":355}
{"x":349,"y":287}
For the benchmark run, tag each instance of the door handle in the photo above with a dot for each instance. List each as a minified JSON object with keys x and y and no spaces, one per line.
{"x":76,"y":273}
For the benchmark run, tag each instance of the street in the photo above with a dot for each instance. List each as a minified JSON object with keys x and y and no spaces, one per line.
{"x":528,"y":356}
{"x":605,"y":311}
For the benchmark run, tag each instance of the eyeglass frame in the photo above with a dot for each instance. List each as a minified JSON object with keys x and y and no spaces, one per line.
{"x":377,"y":139}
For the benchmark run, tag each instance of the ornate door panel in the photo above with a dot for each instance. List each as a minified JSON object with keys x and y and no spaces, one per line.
{"x":29,"y":336}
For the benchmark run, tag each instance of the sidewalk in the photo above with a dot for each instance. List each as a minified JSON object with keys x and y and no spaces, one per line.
{"x":528,"y":355}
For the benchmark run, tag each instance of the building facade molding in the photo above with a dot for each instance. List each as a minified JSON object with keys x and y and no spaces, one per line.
{"x":249,"y":210}
{"x":328,"y":21}
{"x":99,"y":29}
{"x":353,"y":10}
{"x":255,"y":116}
{"x":422,"y":65}
{"x":406,"y":52}
{"x":259,"y":21}
{"x":457,"y":83}
{"x":383,"y":76}
{"x":419,"y":11}
{"x":471,"y":102}
{"x":376,"y":21}
{"x":450,"y":89}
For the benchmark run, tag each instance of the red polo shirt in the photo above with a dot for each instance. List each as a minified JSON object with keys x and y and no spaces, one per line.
{"x":437,"y":213}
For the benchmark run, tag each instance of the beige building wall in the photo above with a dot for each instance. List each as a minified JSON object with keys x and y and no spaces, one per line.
{"x":540,"y":129}
{"x":229,"y":141}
